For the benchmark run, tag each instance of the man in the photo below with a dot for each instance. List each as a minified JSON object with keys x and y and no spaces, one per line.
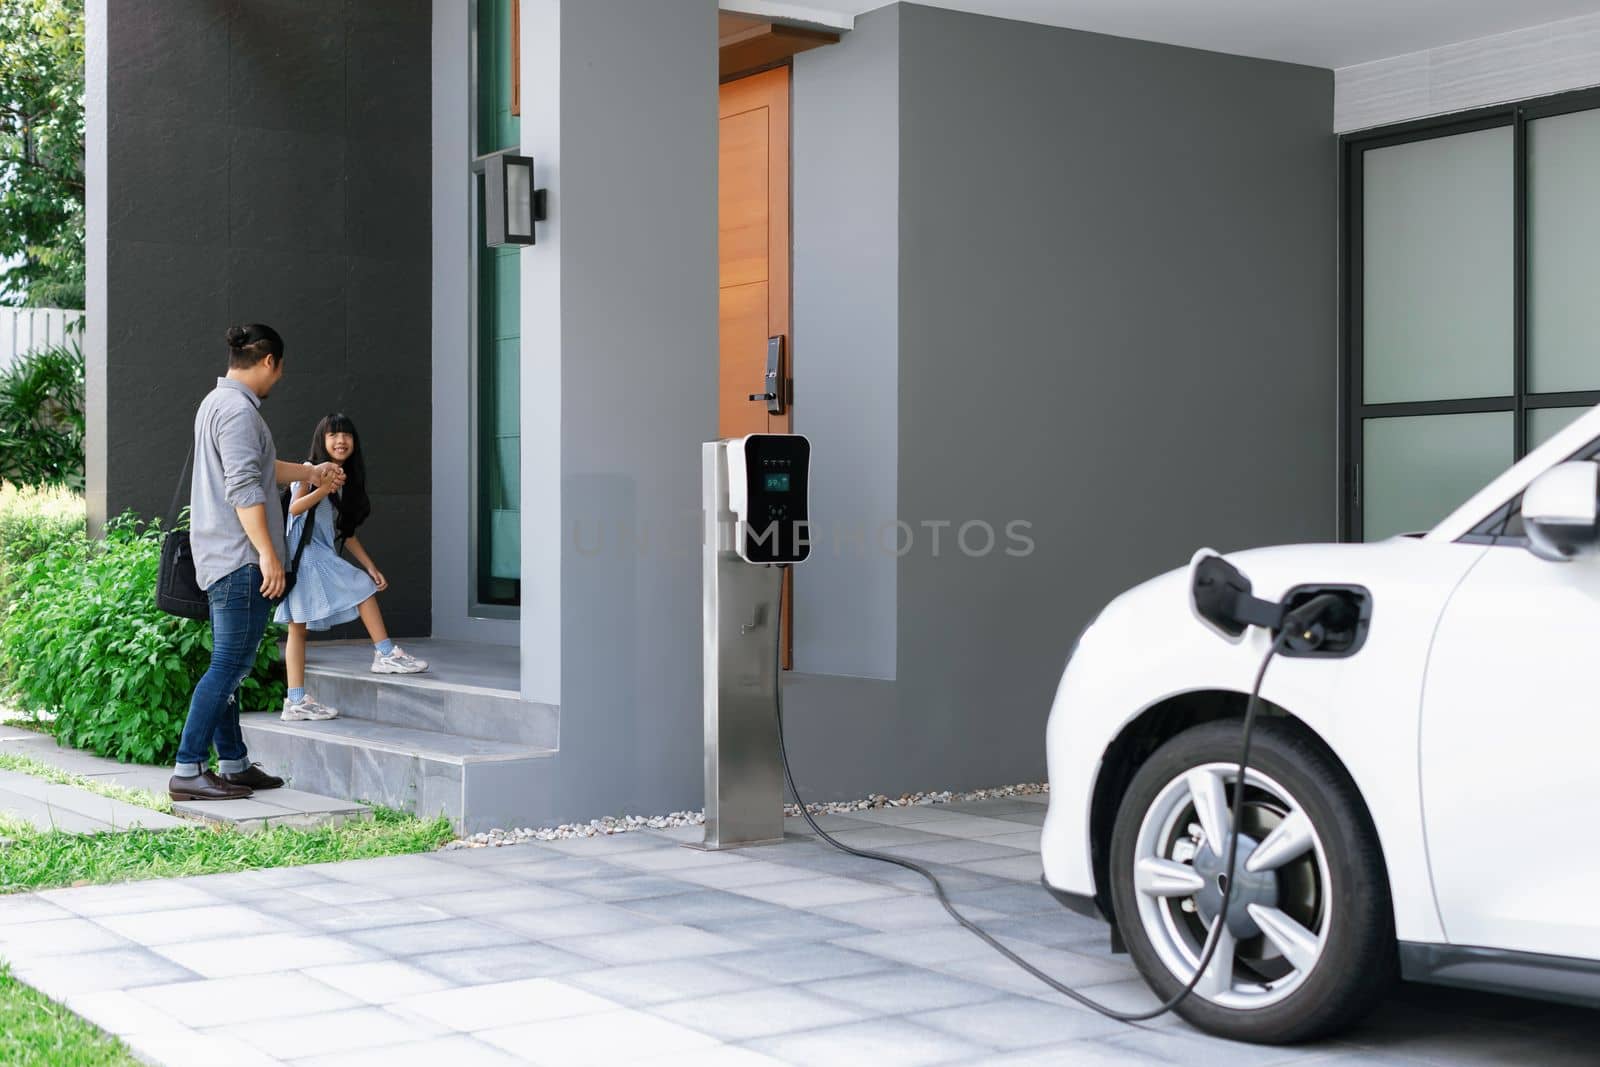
{"x":236,"y":533}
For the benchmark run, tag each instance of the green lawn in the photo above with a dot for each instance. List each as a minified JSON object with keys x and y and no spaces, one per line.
{"x":35,"y":1031}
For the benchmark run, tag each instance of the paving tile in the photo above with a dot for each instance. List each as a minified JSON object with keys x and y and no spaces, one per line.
{"x":904,"y":990}
{"x":571,"y":921}
{"x":676,"y":859}
{"x":567,"y":868}
{"x":1023,"y":868}
{"x":963,"y":850}
{"x":391,"y":870}
{"x":1009,"y":899}
{"x":906,"y":816}
{"x":752,"y":872}
{"x":328,"y":892}
{"x":816,"y":892}
{"x":802,"y":963}
{"x":880,"y":1042}
{"x":475,"y":966}
{"x":1089,"y":1053}
{"x":498,"y":855}
{"x":58,"y":937}
{"x":648,"y":945}
{"x":1195,"y":1050}
{"x":457,"y":1050}
{"x":231,"y":957}
{"x":29,"y":908}
{"x":720,"y":1056}
{"x":465,"y":880}
{"x":190,"y":1049}
{"x":786,"y":928}
{"x":1070,"y":968}
{"x":1019,"y":1022}
{"x":378,"y":982}
{"x":225,"y":1001}
{"x":658,"y":983}
{"x":904,"y":913}
{"x":63,"y":976}
{"x":496,"y":902}
{"x":131,"y":898}
{"x":603,"y":1039}
{"x":705,"y":906}
{"x":885,"y":837}
{"x":927,"y":946}
{"x":332,"y":1031}
{"x":626,"y":887}
{"x":373,"y":916}
{"x":757,"y":1013}
{"x":120,"y":1012}
{"x":972,"y":826}
{"x":607,"y":845}
{"x":449,"y":935}
{"x":234,"y":883}
{"x":193,"y":924}
{"x":499,"y":1004}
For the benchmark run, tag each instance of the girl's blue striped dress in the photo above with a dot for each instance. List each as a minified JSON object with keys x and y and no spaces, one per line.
{"x":329,"y":590}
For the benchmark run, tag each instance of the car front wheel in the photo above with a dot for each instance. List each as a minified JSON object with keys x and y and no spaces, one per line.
{"x":1307,"y":946}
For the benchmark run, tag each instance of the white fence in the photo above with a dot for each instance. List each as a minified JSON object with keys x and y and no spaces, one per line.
{"x":22,"y":330}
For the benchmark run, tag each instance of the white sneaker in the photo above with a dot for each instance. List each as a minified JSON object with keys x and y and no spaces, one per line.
{"x":397,"y":662}
{"x":307,"y":710}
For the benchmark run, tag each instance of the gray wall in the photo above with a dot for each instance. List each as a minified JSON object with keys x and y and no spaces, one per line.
{"x":636,"y":197}
{"x":1116,"y":322}
{"x":266,"y":161}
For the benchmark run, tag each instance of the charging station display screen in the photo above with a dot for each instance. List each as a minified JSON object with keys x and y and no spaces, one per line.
{"x":776,"y":483}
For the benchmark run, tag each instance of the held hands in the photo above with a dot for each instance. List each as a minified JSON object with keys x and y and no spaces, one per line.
{"x":377,"y":578}
{"x":272,"y":577}
{"x":328,"y":476}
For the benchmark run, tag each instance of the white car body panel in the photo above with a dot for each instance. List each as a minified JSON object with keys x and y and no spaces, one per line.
{"x":1396,"y":740}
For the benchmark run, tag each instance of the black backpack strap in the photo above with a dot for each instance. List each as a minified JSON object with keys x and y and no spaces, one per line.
{"x":177,"y":491}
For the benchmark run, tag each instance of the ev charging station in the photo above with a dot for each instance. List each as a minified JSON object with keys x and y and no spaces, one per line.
{"x":754,"y":490}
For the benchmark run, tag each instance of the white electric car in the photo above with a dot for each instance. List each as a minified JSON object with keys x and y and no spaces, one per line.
{"x":1420,"y":805}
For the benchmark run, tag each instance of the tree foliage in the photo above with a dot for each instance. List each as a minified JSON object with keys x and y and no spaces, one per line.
{"x":41,"y":152}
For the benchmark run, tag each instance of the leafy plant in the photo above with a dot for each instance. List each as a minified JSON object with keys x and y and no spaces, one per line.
{"x":42,"y":418}
{"x":84,"y":641}
{"x":34,"y":520}
{"x":41,"y":152}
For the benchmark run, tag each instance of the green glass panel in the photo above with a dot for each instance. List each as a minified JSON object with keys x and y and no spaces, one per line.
{"x":507,"y":381}
{"x":1418,"y":469}
{"x":1545,"y":423}
{"x":1563,"y":253}
{"x":1436,"y":233}
{"x":508,"y":473}
{"x":506,"y":296}
{"x":505,"y":532}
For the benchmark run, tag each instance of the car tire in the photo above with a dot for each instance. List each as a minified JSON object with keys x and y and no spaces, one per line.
{"x":1337,"y":888}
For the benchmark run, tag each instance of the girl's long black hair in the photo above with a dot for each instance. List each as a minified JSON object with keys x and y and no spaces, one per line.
{"x":350,"y":503}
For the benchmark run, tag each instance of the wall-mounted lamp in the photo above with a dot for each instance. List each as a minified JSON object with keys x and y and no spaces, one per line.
{"x":511,"y":204}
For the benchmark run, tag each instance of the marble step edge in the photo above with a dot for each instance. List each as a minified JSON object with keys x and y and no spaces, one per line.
{"x":458,"y":713}
{"x":415,"y":681}
{"x":430,"y":745}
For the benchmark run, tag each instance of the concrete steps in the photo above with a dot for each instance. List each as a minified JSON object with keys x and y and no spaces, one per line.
{"x":457,"y":740}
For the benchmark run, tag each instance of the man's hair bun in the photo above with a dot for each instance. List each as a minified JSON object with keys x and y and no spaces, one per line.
{"x":238,"y":336}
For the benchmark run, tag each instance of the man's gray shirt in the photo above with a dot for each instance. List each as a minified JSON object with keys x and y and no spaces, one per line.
{"x":235,"y":466}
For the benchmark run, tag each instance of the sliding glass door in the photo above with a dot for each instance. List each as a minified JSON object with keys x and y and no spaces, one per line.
{"x":1472,"y":318}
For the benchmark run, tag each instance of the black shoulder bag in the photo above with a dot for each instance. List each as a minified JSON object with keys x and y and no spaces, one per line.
{"x":178,"y":591}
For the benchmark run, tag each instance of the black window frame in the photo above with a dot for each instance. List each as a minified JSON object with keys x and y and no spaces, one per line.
{"x":1353,"y":409}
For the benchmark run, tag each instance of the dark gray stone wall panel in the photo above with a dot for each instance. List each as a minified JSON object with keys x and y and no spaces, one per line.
{"x":240,"y":187}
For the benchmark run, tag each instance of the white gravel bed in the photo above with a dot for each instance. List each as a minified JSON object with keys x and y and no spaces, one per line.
{"x":613,"y":824}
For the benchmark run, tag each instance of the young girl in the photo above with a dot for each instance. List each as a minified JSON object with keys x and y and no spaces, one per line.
{"x":327,"y":590}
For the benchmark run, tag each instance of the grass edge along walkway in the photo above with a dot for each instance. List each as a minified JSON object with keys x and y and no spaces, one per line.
{"x":36,"y":1031}
{"x":142,"y":798}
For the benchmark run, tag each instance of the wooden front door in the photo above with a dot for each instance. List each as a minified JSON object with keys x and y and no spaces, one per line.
{"x":753,"y":265}
{"x":752,"y":247}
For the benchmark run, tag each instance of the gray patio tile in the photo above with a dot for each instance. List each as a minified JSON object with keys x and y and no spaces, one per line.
{"x":475,"y":966}
{"x":499,"y":855}
{"x":500,"y":1004}
{"x":678,"y":835}
{"x":817,"y":892}
{"x":880,"y":1042}
{"x":957,"y":881}
{"x":1089,"y":1053}
{"x":625,"y":887}
{"x":905,"y":912}
{"x":907,"y":816}
{"x":247,"y":882}
{"x":519,"y":898}
{"x":757,"y":1013}
{"x":194,"y":924}
{"x":958,"y":825}
{"x":1189,"y":1048}
{"x":374,"y":916}
{"x":903,"y":990}
{"x":329,"y":892}
{"x":1033,"y":817}
{"x":457,"y":1050}
{"x":575,"y":920}
{"x":225,"y":1001}
{"x":120,"y":1012}
{"x":330,"y":1032}
{"x":659,"y":983}
{"x":787,"y":927}
{"x":29,"y":908}
{"x":1019,"y":1022}
{"x":450,"y":935}
{"x":992,"y":969}
{"x":1010,"y":899}
{"x":187,"y":1048}
{"x":753,"y":872}
{"x":989,"y":808}
{"x":606,"y":846}
{"x":603,"y":1039}
{"x":128,"y":898}
{"x":391,"y":870}
{"x":1021,"y":868}
{"x":378,"y":982}
{"x":465,"y":880}
{"x":1063,"y":930}
{"x":58,"y":937}
{"x":705,"y":906}
{"x":648,"y":945}
{"x":789,"y":964}
{"x":679,"y":858}
{"x":1027,"y":840}
{"x":62,"y":976}
{"x":921,"y":947}
{"x":232,"y":957}
{"x":720,"y":1056}
{"x":884,"y":837}
{"x":964,"y":850}
{"x":567,"y":868}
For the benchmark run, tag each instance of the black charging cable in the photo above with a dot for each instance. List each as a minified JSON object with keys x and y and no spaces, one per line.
{"x":1213,"y":936}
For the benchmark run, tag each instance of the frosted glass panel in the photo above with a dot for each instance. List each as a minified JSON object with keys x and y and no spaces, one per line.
{"x":1437,"y":268}
{"x":1564,"y":253}
{"x":1545,"y":423}
{"x":1418,"y":469}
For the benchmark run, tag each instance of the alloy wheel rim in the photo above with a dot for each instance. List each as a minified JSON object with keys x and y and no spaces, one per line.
{"x":1281,"y":915}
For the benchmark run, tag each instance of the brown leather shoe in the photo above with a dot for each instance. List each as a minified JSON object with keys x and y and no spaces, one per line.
{"x":254,"y":777}
{"x":205,"y":786}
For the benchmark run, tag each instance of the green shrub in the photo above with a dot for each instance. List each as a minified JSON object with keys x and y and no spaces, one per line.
{"x":84,"y":640}
{"x":33,"y":520}
{"x":41,"y":418}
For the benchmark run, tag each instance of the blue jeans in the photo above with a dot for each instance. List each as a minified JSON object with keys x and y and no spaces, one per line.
{"x":238,"y":619}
